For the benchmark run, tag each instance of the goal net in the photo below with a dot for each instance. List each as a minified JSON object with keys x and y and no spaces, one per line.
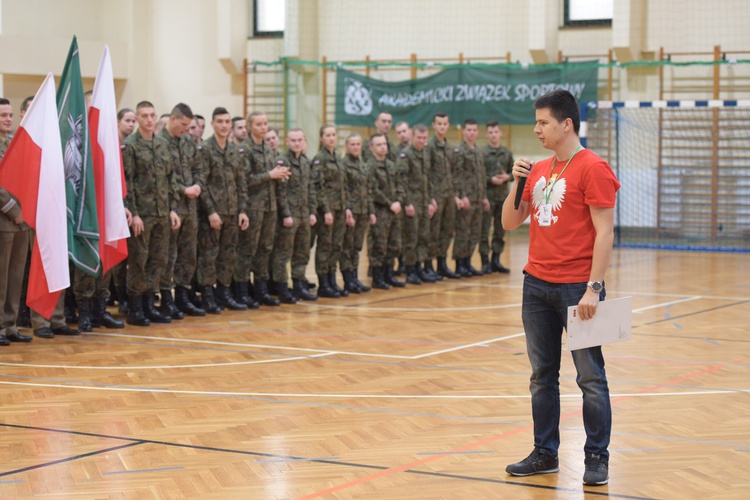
{"x":684,"y":167}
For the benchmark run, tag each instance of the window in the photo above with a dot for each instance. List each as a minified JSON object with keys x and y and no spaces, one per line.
{"x":268,"y":17}
{"x":588,"y":12}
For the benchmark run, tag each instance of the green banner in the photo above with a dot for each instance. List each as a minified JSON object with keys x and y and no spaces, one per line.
{"x":502,"y":93}
{"x":83,"y":227}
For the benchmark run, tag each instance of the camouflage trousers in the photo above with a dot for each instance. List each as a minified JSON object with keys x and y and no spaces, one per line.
{"x":183,"y":254}
{"x":291,"y":243}
{"x":217,"y":250}
{"x":442,"y":226}
{"x":384,"y":239}
{"x":15,"y":247}
{"x":87,"y":287}
{"x":416,"y":236}
{"x":354,"y":238}
{"x":330,"y":242}
{"x":255,"y":246}
{"x":493,"y":218}
{"x":468,"y":230}
{"x":147,"y":255}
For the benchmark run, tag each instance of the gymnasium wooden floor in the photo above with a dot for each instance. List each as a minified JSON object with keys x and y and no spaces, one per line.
{"x":419,"y":393}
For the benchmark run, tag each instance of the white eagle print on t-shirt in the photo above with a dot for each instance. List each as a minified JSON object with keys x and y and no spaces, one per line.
{"x":541,"y":191}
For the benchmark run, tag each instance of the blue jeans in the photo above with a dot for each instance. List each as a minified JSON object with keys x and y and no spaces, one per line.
{"x":545,"y":313}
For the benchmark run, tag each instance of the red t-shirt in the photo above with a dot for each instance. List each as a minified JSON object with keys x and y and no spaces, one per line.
{"x":562,"y":252}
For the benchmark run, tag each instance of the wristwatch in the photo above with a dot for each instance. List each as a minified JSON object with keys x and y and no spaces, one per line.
{"x":596,"y":286}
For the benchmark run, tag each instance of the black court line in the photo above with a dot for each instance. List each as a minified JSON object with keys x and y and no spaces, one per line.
{"x":136,"y":442}
{"x":696,"y":313}
{"x":329,"y":312}
{"x":70,"y":459}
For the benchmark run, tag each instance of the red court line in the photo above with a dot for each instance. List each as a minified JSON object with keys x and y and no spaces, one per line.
{"x":476,"y":444}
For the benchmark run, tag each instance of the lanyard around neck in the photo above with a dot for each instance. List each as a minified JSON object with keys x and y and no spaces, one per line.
{"x":552,"y":184}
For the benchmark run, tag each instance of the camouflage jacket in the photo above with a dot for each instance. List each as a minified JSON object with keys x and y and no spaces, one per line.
{"x":441,"y":168}
{"x":384,"y":184}
{"x":356,"y":182}
{"x":187,"y":168}
{"x":261,"y":189}
{"x":149,"y":177}
{"x":468,"y":173}
{"x":413,"y":166}
{"x":330,"y":176}
{"x":297,"y":196}
{"x":225,"y":192}
{"x":496,"y":161}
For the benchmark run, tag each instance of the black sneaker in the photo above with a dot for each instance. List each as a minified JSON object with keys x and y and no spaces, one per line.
{"x":536,"y":463}
{"x":597,"y":470}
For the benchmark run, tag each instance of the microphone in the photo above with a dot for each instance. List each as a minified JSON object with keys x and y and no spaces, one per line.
{"x":519,"y":190}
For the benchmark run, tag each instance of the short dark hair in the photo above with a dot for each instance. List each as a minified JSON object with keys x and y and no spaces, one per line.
{"x":470,"y":121}
{"x":4,"y":101}
{"x":182,"y":110}
{"x":123,"y":112}
{"x":376,"y":135}
{"x":219,"y":111}
{"x":144,"y":104}
{"x":562,"y":105}
{"x":236,"y":119}
{"x":199,"y":117}
{"x":440,"y":114}
{"x":419,"y":127}
{"x":26,"y":103}
{"x":493,"y":123}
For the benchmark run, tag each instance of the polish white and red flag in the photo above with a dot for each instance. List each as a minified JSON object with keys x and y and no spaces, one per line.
{"x":109,"y":177}
{"x":33,"y":171}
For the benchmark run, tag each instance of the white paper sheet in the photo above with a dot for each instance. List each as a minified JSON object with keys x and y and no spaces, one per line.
{"x":611,"y":323}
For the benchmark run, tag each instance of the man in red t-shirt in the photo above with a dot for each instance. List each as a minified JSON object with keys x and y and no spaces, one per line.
{"x":570,"y":198}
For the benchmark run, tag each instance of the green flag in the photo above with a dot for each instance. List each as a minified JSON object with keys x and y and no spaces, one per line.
{"x":83,"y":229}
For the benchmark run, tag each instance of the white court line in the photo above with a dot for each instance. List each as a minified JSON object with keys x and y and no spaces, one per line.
{"x":467,"y":346}
{"x":357,"y":396}
{"x":665,"y":304}
{"x":413,"y":309}
{"x":168,"y":367}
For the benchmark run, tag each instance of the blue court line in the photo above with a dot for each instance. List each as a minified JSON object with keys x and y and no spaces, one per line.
{"x":711,"y":341}
{"x":142,"y":470}
{"x":467,"y":452}
{"x":677,"y":325}
{"x":292,"y":459}
{"x":743,"y":451}
{"x":12,"y":481}
{"x":632,"y":450}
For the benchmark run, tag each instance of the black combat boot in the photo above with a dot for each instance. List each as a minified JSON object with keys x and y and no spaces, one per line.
{"x":208,"y":300}
{"x":183,"y":303}
{"x":135,"y":311}
{"x":24,"y":315}
{"x":411,"y":276}
{"x":285,"y":295}
{"x":151,"y":312}
{"x":100,"y":317}
{"x":497,"y":266}
{"x":429,"y":270}
{"x":423,"y":275}
{"x":461,"y":269}
{"x":486,"y":268}
{"x":350,"y":284}
{"x":302,"y":292}
{"x":84,"y":315}
{"x":122,"y":299}
{"x":224,"y":299}
{"x":391,"y":279}
{"x":69,"y":309}
{"x":168,"y":307}
{"x":324,"y":288}
{"x":242,"y":294}
{"x":378,"y":278}
{"x":262,"y":295}
{"x":444,"y":271}
{"x":470,"y":268}
{"x":334,"y":286}
{"x":360,"y":285}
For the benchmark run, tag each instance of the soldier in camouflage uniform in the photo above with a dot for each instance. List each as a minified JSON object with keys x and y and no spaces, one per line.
{"x":383,"y":124}
{"x":444,"y":197}
{"x":332,"y":194}
{"x":272,"y":140}
{"x":263,"y":176}
{"x":298,"y":202}
{"x":413,"y":165}
{"x":221,"y":214}
{"x":386,"y":199}
{"x":471,"y":187}
{"x":358,"y":207}
{"x":498,"y":162}
{"x":404,"y":134}
{"x":150,"y":199}
{"x":183,"y":243}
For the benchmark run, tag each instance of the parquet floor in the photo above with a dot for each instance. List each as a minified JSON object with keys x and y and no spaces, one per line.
{"x":419,"y":393}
